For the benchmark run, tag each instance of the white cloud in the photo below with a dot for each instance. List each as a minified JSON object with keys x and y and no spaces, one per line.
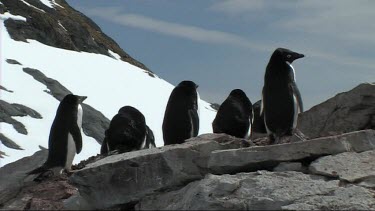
{"x":189,"y":32}
{"x":236,"y":7}
{"x":310,"y":16}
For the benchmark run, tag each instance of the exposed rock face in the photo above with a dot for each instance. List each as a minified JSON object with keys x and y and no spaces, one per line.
{"x":349,"y":111}
{"x":267,"y":157}
{"x":348,"y":166}
{"x":180,"y":176}
{"x":183,"y":177}
{"x":127,"y":177}
{"x":13,"y":175}
{"x":61,"y":27}
{"x":262,"y":190}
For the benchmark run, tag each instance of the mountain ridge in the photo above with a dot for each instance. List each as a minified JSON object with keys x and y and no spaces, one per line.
{"x":73,"y":31}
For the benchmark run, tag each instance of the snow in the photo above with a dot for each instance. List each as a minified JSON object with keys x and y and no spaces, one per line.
{"x":32,"y":6}
{"x":62,"y":26}
{"x":7,"y":15}
{"x":115,"y":55}
{"x":50,"y":3}
{"x":108,"y":83}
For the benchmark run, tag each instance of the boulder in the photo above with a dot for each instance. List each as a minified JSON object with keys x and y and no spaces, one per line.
{"x":261,"y":190}
{"x":346,"y":112}
{"x":19,"y":192}
{"x":349,"y":166}
{"x":267,"y":157}
{"x":342,"y":198}
{"x":124,"y":178}
{"x":12,"y":175}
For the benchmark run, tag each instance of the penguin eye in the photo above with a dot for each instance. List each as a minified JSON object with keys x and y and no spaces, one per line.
{"x":289,"y":56}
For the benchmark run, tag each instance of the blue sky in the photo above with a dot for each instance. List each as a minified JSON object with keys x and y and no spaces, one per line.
{"x":226,"y":44}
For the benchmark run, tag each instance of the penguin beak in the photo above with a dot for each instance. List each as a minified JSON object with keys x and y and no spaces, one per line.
{"x":82,"y":98}
{"x":196,"y":86}
{"x":299,"y":56}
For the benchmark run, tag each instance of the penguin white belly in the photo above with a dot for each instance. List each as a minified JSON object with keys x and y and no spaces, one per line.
{"x":71,"y":148}
{"x":143,"y":145}
{"x":295,"y":105}
{"x":70,"y":153}
{"x":248,"y":133}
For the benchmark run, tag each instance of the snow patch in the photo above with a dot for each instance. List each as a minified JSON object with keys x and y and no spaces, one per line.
{"x":62,"y":26}
{"x":115,"y":55}
{"x":32,"y":6}
{"x":50,"y":3}
{"x":7,"y":15}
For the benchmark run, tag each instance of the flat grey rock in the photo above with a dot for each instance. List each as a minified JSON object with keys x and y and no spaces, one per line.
{"x":268,"y":157}
{"x":348,"y":166}
{"x":127,"y":177}
{"x":262,"y":190}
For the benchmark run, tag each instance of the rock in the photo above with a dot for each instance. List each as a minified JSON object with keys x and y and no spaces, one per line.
{"x":290,"y":166}
{"x":9,"y":142}
{"x":12,"y":175}
{"x":47,"y":195}
{"x":349,"y":166}
{"x":7,"y":111}
{"x":262,"y":190}
{"x":12,"y":61}
{"x":124,"y":178}
{"x":19,"y":192}
{"x":346,"y":112}
{"x":267,"y":157}
{"x":349,"y":198}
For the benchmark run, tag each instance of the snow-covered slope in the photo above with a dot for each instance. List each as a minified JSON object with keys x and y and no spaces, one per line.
{"x":108,"y":82}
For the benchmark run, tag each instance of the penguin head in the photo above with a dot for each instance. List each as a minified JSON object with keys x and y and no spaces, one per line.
{"x":188,"y":84}
{"x":241,"y":95}
{"x":286,"y":55}
{"x":127,"y":109}
{"x":237,"y":93}
{"x":130,"y":112}
{"x":71,"y":99}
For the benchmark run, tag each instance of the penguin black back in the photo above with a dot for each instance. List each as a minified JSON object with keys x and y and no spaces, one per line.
{"x":65,"y":128}
{"x":126,"y":132}
{"x":280,"y":97}
{"x":181,"y":119}
{"x":234,"y":116}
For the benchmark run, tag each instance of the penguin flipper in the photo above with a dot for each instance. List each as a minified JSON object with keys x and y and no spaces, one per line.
{"x":194,"y":118}
{"x":297,"y":93}
{"x":77,"y":137}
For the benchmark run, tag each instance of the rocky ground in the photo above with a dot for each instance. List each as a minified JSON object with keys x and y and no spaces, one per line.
{"x":333,"y":170}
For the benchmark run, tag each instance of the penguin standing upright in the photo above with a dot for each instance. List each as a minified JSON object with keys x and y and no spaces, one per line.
{"x":65,"y":139}
{"x":281,"y":99}
{"x":235,"y":115}
{"x":181,"y":118}
{"x":127,"y":132}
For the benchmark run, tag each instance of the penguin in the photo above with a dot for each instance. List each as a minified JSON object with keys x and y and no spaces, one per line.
{"x":258,"y":122}
{"x":127,"y":132}
{"x":150,"y":139}
{"x":235,"y":115}
{"x":281,"y":98}
{"x":65,"y":138}
{"x":181,"y":117}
